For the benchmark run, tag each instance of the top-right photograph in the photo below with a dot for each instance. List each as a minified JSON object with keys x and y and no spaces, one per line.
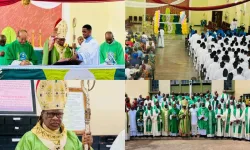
{"x":187,"y":39}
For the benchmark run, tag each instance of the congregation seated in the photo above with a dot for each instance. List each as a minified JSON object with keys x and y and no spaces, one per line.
{"x":140,"y":56}
{"x":216,"y":51}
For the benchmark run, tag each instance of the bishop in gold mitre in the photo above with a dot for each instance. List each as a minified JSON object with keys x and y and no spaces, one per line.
{"x":54,"y":48}
{"x":184,"y":126}
{"x":49,"y":132}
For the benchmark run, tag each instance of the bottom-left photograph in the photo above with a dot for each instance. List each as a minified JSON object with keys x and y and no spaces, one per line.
{"x":62,"y":115}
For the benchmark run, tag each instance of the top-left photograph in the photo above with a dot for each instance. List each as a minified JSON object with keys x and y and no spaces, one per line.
{"x":62,"y":39}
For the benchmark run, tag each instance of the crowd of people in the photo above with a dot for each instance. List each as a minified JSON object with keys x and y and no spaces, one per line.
{"x":57,"y":52}
{"x":200,"y":115}
{"x":221,"y":55}
{"x":140,"y":56}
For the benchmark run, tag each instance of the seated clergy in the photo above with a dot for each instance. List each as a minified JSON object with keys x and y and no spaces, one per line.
{"x":20,"y":52}
{"x":49,"y":132}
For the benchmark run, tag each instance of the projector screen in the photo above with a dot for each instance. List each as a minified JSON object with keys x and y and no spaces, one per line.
{"x":17,"y":97}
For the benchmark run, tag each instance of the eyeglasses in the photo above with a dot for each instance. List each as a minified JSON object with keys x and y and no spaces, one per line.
{"x":52,"y":114}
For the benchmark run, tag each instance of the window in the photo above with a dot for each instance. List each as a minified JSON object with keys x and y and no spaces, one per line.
{"x":174,"y":82}
{"x":154,"y":85}
{"x":185,"y":82}
{"x":228,"y":85}
{"x":196,"y":81}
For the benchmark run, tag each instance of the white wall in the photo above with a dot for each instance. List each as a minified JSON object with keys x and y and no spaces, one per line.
{"x":164,"y":86}
{"x":134,"y":88}
{"x":217,"y":85}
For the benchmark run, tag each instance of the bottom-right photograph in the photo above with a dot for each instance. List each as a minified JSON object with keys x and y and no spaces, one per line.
{"x":187,"y":114}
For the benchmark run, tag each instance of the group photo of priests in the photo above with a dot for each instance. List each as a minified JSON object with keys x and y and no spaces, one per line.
{"x":187,"y":115}
{"x":56,"y":33}
{"x":203,"y":40}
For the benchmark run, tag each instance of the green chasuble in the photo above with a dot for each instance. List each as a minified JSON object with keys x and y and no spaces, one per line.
{"x":115,"y":49}
{"x":30,"y":141}
{"x":211,"y":122}
{"x":51,"y":57}
{"x":185,"y":123}
{"x":173,"y":123}
{"x":165,"y":119}
{"x":203,"y":124}
{"x":228,"y":115}
{"x":237,"y":117}
{"x":139,"y":120}
{"x":247,"y":126}
{"x":149,"y":121}
{"x":15,"y":49}
{"x":219,"y":112}
{"x":158,"y":111}
{"x":2,"y":59}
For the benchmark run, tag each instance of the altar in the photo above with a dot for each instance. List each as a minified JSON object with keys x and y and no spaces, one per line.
{"x":80,"y":72}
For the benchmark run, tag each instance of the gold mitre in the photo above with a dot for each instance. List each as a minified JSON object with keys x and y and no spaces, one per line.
{"x":62,"y":28}
{"x":184,"y":102}
{"x":52,"y":94}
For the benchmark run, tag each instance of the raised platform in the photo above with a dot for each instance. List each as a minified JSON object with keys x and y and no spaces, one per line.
{"x":79,"y":72}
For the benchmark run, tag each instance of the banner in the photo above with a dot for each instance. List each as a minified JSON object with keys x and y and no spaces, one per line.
{"x":9,"y":2}
{"x":208,"y":8}
{"x":62,"y":74}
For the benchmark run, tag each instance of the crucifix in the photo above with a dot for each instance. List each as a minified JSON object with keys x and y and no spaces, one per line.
{"x":88,"y":110}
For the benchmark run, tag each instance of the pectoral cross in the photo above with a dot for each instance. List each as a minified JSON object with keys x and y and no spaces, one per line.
{"x":57,"y":148}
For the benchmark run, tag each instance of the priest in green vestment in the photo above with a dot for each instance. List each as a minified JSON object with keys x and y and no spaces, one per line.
{"x":173,"y":120}
{"x":111,"y":51}
{"x":20,"y":52}
{"x":157,"y":126}
{"x":49,"y":132}
{"x":211,"y":122}
{"x":202,"y":119}
{"x":139,"y":121}
{"x":184,"y":125}
{"x":165,"y":120}
{"x":148,"y":117}
{"x":246,"y":122}
{"x":236,"y":121}
{"x":3,"y":48}
{"x":219,"y":121}
{"x":54,"y":48}
{"x":226,"y":125}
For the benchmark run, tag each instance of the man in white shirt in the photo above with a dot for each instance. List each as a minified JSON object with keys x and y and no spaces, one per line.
{"x":89,"y":51}
{"x":194,"y":120}
{"x":233,"y":25}
{"x":239,"y":74}
{"x":219,"y":73}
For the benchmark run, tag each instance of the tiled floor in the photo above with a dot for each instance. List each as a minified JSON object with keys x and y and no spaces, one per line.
{"x":187,"y":145}
{"x":172,"y":61}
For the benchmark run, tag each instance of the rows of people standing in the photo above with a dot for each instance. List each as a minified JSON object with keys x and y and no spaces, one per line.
{"x":207,"y":115}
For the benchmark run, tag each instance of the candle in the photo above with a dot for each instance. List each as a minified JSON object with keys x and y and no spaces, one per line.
{"x":40,"y":38}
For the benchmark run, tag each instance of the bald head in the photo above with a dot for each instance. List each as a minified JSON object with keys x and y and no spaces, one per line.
{"x":2,"y":39}
{"x":109,"y":37}
{"x":22,"y":36}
